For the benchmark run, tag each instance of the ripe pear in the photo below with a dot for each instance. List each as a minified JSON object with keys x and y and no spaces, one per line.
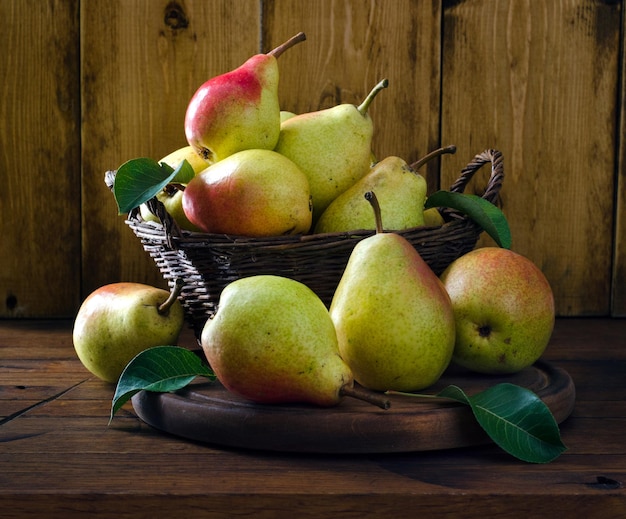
{"x":171,"y":196}
{"x":331,"y":146}
{"x":393,"y":317}
{"x":187,"y":153}
{"x":272,"y":341}
{"x":433,"y":218}
{"x":504,"y":310}
{"x":120,"y":320}
{"x":237,"y":110}
{"x":401,"y":193}
{"x":286,"y":114}
{"x":250,"y":193}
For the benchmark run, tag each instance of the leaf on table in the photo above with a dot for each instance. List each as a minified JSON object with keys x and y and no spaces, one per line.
{"x":516,"y":419}
{"x":139,"y":180}
{"x":490,"y":218}
{"x":160,"y":369}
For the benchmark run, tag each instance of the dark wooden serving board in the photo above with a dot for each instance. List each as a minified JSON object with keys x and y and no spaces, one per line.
{"x":207,"y":412}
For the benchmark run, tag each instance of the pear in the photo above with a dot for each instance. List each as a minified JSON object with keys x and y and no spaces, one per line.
{"x":504,"y":309}
{"x":238,"y":110}
{"x":393,"y":317}
{"x":433,"y":218}
{"x":120,"y":320}
{"x":171,"y":196}
{"x":250,"y":193}
{"x":172,"y":199}
{"x":400,"y":191}
{"x":272,"y":341}
{"x":286,"y":114}
{"x":331,"y":146}
{"x":189,"y":154}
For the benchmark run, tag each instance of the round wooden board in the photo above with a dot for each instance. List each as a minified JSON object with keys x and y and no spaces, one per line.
{"x":207,"y":412}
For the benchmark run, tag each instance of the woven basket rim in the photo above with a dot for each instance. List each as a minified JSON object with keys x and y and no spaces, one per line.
{"x":177,"y":235}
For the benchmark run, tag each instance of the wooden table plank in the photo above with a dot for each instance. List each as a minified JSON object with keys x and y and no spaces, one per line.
{"x":61,"y":458}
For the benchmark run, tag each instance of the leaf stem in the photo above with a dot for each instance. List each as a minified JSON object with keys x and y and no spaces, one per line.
{"x":421,"y":395}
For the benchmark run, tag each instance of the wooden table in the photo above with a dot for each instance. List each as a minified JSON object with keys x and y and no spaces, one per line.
{"x":59,"y":457}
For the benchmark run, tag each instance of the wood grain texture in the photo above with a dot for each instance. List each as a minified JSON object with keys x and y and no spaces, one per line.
{"x":618,"y":287}
{"x":39,"y":158}
{"x":140,"y":69}
{"x":350,"y":47}
{"x":61,"y":459}
{"x":539,"y":83}
{"x":207,"y":412}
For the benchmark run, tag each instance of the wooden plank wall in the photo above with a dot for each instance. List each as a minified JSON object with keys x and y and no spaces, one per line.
{"x":40,"y":175}
{"x":540,"y":84}
{"x":88,"y":84}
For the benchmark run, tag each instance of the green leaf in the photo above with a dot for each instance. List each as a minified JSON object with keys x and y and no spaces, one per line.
{"x":516,"y":419}
{"x":139,"y":180}
{"x":159,"y":369}
{"x":183,"y":173}
{"x":483,"y":212}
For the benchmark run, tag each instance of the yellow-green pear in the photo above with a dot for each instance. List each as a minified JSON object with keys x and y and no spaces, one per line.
{"x":187,"y":153}
{"x":433,"y":218}
{"x":331,"y":146}
{"x":373,"y":159}
{"x":286,"y":114}
{"x":401,"y":193}
{"x":170,"y":196}
{"x":120,"y":320}
{"x":272,"y":341}
{"x":393,"y":317}
{"x":237,"y":110}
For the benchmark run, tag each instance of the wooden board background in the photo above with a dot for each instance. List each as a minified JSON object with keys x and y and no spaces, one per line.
{"x":89,"y":84}
{"x":40,"y":173}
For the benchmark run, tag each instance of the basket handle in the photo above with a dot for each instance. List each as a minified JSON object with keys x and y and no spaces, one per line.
{"x":495,"y":181}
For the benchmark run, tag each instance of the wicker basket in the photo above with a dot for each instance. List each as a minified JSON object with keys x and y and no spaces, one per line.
{"x":208,"y":262}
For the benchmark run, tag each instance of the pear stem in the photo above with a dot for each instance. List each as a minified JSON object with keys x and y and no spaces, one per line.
{"x":164,"y":307}
{"x":436,"y":153}
{"x":362,"y":108}
{"x":287,"y":45}
{"x":371,"y":198}
{"x":366,"y":395}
